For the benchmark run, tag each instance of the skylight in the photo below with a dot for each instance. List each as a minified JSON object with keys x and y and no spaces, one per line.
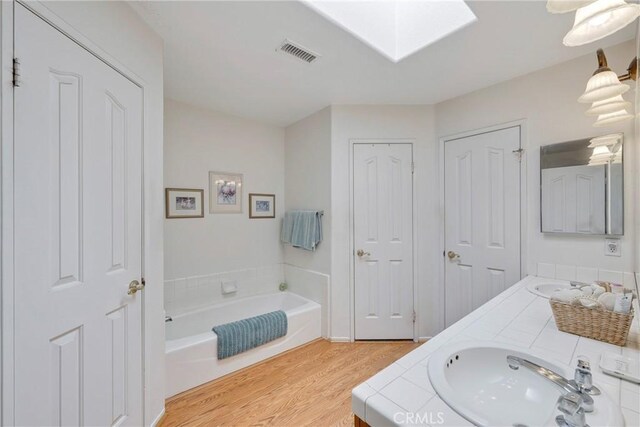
{"x":396,"y":28}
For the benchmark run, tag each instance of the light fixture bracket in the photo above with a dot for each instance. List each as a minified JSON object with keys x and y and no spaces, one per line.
{"x":602,"y":62}
{"x":632,"y":71}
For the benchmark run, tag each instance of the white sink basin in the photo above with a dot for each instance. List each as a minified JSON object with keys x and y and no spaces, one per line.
{"x":546,"y":289}
{"x":475,"y":380}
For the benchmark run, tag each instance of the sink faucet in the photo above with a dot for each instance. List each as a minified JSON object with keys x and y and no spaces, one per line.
{"x":168,"y":319}
{"x":583,"y":380}
{"x":582,"y":385}
{"x":578,"y":285}
{"x":571,"y":406}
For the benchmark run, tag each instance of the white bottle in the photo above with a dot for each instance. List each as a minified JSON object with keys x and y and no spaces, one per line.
{"x":623,"y":303}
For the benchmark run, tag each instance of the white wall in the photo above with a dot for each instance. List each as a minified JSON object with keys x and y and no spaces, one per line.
{"x":200,"y":252}
{"x":308,"y":183}
{"x":118,"y":31}
{"x":308,"y":186}
{"x":385,"y":122}
{"x":547,"y":100}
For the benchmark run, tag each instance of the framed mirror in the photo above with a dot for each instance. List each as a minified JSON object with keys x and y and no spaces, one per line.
{"x":582,"y":186}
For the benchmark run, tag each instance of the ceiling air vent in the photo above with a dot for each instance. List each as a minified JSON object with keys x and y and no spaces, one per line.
{"x":298,"y":51}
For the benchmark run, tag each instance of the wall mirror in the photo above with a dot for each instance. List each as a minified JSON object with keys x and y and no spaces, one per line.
{"x":581,"y":186}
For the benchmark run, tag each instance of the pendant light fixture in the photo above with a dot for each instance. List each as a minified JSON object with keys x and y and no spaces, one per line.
{"x":564,"y":6}
{"x":600,"y":19}
{"x":604,"y":90}
{"x":600,"y":155}
{"x":612,"y":118}
{"x":607,"y":149}
{"x":609,"y":105}
{"x":610,"y":140}
{"x":604,"y":84}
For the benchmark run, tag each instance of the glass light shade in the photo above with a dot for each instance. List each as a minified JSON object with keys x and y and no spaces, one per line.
{"x":600,"y":151}
{"x":564,"y":6}
{"x":611,"y":118}
{"x":602,"y":86}
{"x":607,"y":106}
{"x":600,"y":19}
{"x":606,"y":140}
{"x":600,"y":155}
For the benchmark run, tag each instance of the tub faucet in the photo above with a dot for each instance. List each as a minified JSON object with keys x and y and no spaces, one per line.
{"x":568,"y":386}
{"x":168,"y":319}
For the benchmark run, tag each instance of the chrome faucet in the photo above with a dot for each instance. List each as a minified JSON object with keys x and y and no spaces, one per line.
{"x":578,"y":285}
{"x":582,"y":385}
{"x":168,"y":319}
{"x":571,"y":406}
{"x":583,"y":380}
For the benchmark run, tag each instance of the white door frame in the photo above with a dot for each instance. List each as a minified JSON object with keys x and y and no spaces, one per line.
{"x":6,"y":209}
{"x":522,"y":124}
{"x":352,"y":271}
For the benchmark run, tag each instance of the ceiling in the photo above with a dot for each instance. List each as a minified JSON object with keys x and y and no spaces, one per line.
{"x":222,"y":55}
{"x":396,"y":28}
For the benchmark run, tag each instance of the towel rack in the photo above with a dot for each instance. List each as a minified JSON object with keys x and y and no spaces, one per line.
{"x":311,"y":210}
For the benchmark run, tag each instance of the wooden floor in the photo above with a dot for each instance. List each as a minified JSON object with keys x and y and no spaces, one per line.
{"x":308,"y":386}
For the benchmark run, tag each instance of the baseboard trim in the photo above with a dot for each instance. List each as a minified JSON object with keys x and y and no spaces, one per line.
{"x":424,"y":339}
{"x":158,"y":418}
{"x":340,"y":339}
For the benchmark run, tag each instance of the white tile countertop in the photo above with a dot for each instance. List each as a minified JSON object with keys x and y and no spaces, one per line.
{"x":401,"y":391}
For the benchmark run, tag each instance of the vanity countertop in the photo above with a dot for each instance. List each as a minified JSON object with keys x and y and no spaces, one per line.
{"x":517,"y":317}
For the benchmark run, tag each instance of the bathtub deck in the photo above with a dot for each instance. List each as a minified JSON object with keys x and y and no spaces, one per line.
{"x":310,"y":385}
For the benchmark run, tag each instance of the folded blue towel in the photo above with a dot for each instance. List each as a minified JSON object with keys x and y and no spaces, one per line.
{"x":243,"y":335}
{"x":302,"y":229}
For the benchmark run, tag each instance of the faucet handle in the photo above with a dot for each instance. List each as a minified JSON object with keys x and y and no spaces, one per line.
{"x":584,"y":364}
{"x":570,"y":405}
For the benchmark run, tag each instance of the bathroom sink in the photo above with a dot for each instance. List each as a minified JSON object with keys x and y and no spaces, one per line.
{"x":546,"y":289}
{"x":475,"y":380}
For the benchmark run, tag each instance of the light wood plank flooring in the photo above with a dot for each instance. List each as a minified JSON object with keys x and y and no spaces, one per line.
{"x":308,"y":386}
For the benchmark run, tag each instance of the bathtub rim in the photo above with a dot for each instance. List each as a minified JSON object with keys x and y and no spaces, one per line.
{"x":178,"y":344}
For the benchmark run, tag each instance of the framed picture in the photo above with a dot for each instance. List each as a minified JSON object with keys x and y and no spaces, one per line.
{"x":184,"y":203}
{"x":262,"y":205}
{"x":225,"y":192}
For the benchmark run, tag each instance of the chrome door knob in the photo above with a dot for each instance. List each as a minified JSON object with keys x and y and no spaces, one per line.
{"x":362,"y":253}
{"x":452,"y":255}
{"x":135,"y":286}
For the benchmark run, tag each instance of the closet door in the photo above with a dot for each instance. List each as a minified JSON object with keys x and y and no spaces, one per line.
{"x":383,"y":236}
{"x":78,"y":230}
{"x":482,"y":219}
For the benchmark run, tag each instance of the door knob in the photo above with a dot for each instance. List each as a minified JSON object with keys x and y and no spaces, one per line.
{"x":135,"y":286}
{"x":362,"y":253}
{"x":452,"y":255}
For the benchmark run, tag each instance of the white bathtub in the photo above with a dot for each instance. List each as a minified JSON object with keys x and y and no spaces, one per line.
{"x":191,"y":345}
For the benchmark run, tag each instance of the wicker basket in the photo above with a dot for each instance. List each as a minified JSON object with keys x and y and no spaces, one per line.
{"x":596,"y":323}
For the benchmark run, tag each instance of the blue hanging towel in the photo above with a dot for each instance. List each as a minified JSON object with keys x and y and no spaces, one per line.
{"x":302,"y":229}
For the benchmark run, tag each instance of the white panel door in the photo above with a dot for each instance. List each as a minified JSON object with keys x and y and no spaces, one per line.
{"x":482,"y":219}
{"x":78,"y":210}
{"x":383,"y":237}
{"x":573,"y":200}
